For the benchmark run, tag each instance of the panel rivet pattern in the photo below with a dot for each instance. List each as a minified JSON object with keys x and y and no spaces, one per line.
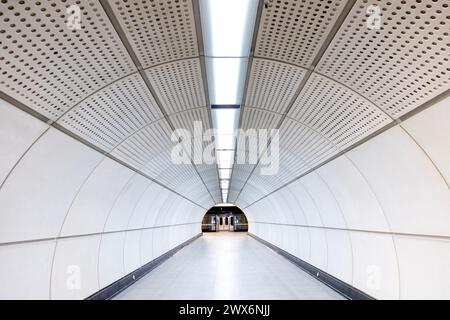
{"x":159,"y":30}
{"x":49,"y":67}
{"x":294,"y":31}
{"x":273,"y":85}
{"x":400,"y":66}
{"x":114,"y":113}
{"x":178,"y":85}
{"x":339,"y":114}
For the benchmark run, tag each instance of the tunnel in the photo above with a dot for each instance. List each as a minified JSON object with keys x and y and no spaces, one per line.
{"x":324,"y":123}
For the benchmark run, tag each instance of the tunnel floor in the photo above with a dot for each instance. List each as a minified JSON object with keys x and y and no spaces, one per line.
{"x":227,"y":266}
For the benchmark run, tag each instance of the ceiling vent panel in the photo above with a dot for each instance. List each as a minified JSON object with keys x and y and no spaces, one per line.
{"x":338,"y":113}
{"x":400,"y":66}
{"x":257,"y":118}
{"x":159,"y":31}
{"x":178,"y":85}
{"x":294,"y":31}
{"x":114,"y":113}
{"x":149,"y":145}
{"x":49,"y":67}
{"x":273,"y":85}
{"x":305,"y":144}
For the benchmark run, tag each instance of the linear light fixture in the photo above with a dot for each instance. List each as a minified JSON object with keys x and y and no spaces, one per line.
{"x":227,"y":27}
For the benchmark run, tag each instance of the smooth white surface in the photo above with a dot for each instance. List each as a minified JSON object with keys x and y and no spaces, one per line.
{"x":18,"y":130}
{"x":425,"y":267}
{"x":110,"y":260}
{"x":347,"y":184}
{"x":90,"y":209}
{"x":413,"y":195}
{"x":25,"y":270}
{"x":79,"y":254}
{"x":227,"y":266}
{"x":123,"y":208}
{"x":37,"y":195}
{"x":431,"y":130}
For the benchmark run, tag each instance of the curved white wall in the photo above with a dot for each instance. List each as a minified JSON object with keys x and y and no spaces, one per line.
{"x":73,"y":221}
{"x":378,"y":217}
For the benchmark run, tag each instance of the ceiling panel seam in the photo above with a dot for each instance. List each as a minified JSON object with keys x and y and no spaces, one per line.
{"x":339,"y":22}
{"x":201,"y":50}
{"x":122,"y":35}
{"x":407,"y":116}
{"x":58,"y":127}
{"x":247,"y":78}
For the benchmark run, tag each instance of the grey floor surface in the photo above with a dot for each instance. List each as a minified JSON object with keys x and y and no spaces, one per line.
{"x":227,"y":266}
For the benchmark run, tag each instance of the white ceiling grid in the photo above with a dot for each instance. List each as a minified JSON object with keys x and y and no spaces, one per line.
{"x":324,"y":93}
{"x":341,"y":115}
{"x":364,"y":81}
{"x":50,"y":68}
{"x":272,"y":85}
{"x":400,"y":66}
{"x":179,"y":85}
{"x":114,"y":113}
{"x":287,"y":26}
{"x":159,"y":31}
{"x":87,"y":82}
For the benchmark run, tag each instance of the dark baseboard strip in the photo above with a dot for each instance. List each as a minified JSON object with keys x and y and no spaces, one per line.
{"x":115,"y":288}
{"x":334,"y":283}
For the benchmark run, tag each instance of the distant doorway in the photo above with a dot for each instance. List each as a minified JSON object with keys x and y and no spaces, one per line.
{"x":225,"y":219}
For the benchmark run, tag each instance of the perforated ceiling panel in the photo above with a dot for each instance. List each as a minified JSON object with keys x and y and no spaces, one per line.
{"x":147,"y":148}
{"x":196,"y":122}
{"x":256,"y":118}
{"x":113,"y":113}
{"x":158,"y":30}
{"x":305,"y":144}
{"x":178,"y":85}
{"x":400,"y":66}
{"x":294,"y":31}
{"x":187,"y":119}
{"x":49,"y":67}
{"x":339,"y":114}
{"x":273,"y":85}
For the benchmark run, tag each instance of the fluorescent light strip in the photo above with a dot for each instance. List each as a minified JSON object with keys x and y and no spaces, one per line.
{"x":228,"y":26}
{"x":228,"y":31}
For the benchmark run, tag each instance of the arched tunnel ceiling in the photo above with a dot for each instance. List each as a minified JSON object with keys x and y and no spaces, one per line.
{"x":135,"y":71}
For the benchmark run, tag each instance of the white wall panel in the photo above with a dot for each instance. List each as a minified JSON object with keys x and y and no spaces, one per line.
{"x":18,"y":131}
{"x":307,"y":204}
{"x":304,"y":244}
{"x":131,"y":251}
{"x":146,"y":246}
{"x":75,"y":266}
{"x":431,"y":130}
{"x":330,"y":213}
{"x":145,"y":206}
{"x":94,"y":201}
{"x":359,"y":205}
{"x":413,"y":195}
{"x":110,"y":260}
{"x":375,"y":269}
{"x":25,"y":270}
{"x":36,"y":197}
{"x":340,"y":255}
{"x":319,"y":248}
{"x":424,"y":267}
{"x":126,"y":202}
